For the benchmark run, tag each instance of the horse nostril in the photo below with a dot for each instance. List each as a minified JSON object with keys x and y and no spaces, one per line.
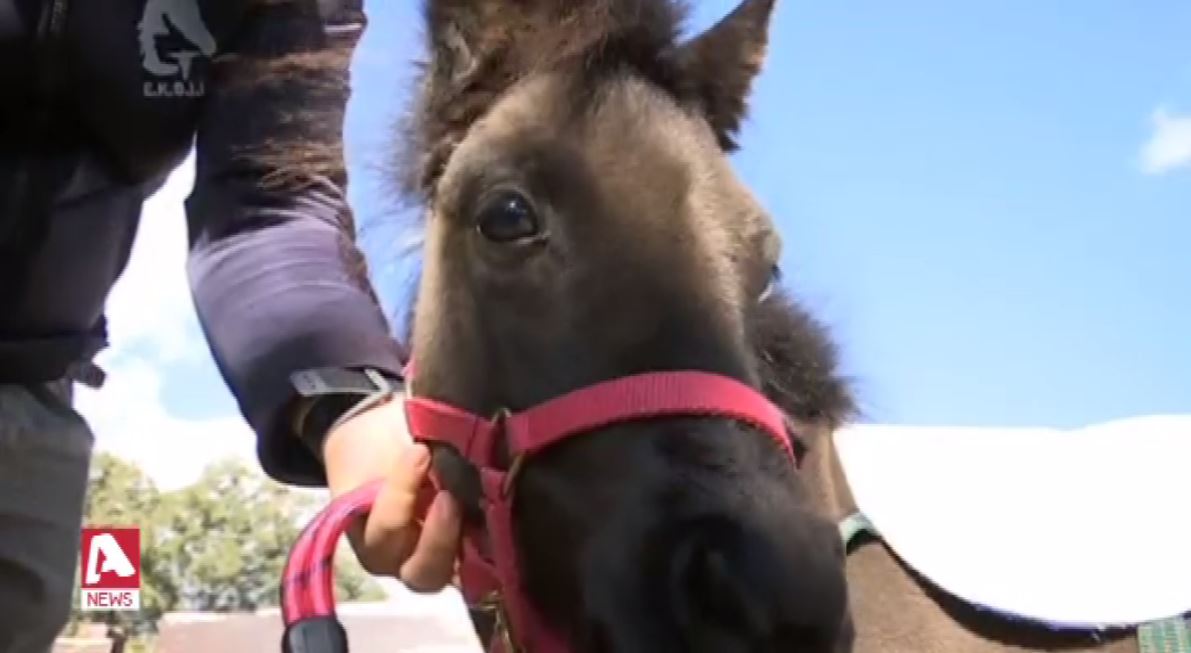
{"x":714,"y":592}
{"x":748,"y":591}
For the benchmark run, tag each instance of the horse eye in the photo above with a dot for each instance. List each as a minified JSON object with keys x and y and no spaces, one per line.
{"x":506,"y":218}
{"x":775,"y":277}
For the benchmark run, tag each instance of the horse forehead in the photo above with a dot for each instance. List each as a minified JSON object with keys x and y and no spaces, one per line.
{"x":623,"y":113}
{"x":533,"y":103}
{"x":640,"y":120}
{"x":637,"y":137}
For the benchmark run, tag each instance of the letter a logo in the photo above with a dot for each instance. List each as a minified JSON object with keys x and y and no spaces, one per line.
{"x":113,"y":558}
{"x":111,"y":566}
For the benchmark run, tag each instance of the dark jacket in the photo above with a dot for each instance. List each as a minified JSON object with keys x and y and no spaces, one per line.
{"x":101,"y":103}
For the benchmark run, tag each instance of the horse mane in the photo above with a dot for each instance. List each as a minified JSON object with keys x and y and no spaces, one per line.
{"x":798,"y":362}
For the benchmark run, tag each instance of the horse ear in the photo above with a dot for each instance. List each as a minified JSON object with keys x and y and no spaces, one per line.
{"x":457,"y":33}
{"x":720,"y":65}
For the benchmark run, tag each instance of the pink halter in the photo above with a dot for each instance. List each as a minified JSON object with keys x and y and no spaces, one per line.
{"x":496,"y":582}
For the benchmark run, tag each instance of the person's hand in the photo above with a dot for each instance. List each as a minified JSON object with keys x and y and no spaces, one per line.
{"x":389,"y":541}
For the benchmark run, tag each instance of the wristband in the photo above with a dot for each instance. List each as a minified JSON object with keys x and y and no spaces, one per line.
{"x":331,"y":396}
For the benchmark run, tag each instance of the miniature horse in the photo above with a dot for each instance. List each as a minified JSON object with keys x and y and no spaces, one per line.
{"x":582,"y":223}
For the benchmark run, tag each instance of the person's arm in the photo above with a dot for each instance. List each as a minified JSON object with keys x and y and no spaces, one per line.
{"x":278,"y":282}
{"x":280,"y":287}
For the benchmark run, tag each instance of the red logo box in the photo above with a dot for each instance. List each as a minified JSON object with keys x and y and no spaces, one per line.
{"x":111,"y":569}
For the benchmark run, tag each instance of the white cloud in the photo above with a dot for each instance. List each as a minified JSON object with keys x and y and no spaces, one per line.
{"x":150,"y":307}
{"x":131,"y":421}
{"x":1169,"y":146}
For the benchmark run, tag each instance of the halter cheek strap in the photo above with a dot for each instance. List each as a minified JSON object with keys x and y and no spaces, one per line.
{"x":496,"y":581}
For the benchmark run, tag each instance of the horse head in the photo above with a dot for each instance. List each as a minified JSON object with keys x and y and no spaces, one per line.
{"x":582,"y":223}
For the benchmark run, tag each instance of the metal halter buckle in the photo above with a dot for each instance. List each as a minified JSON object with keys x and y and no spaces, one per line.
{"x":494,"y":604}
{"x":501,"y":418}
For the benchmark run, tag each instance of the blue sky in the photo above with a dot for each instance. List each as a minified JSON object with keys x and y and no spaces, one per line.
{"x":961,"y":195}
{"x":962,"y":191}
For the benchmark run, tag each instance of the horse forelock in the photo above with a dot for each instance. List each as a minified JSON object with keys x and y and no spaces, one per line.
{"x":517,"y":40}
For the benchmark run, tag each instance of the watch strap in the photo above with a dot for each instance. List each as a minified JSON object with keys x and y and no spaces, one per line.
{"x":340,"y":380}
{"x":332,"y":395}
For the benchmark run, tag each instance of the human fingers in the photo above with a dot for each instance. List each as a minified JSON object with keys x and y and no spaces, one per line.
{"x":390,"y":530}
{"x":431,"y":567}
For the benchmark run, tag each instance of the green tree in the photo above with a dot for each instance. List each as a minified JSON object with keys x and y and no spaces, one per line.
{"x":229,"y":535}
